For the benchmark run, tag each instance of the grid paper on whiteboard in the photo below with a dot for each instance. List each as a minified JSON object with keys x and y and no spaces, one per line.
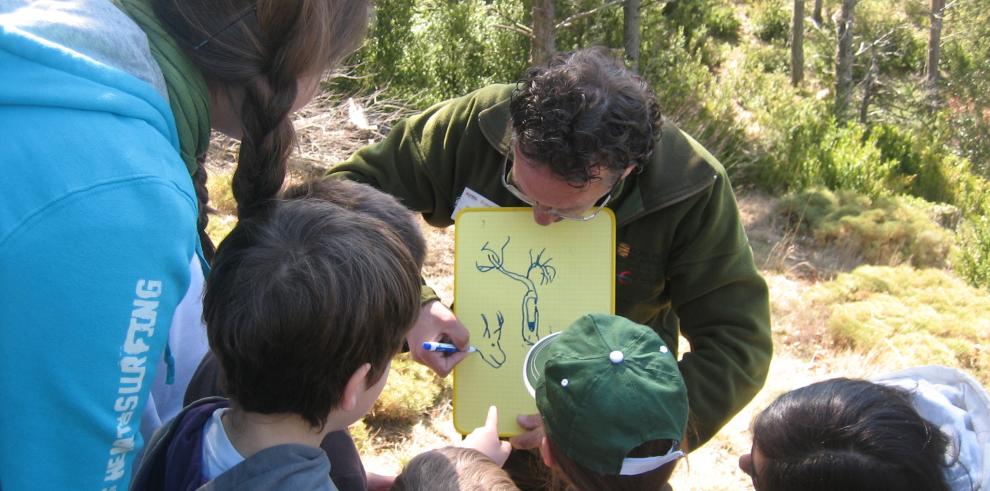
{"x":515,"y":282}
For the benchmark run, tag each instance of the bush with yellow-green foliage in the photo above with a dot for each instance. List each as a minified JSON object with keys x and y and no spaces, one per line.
{"x":907,"y":317}
{"x":361,"y":436}
{"x":221,"y":195}
{"x":883,"y":230}
{"x":224,"y":217}
{"x":771,"y":21}
{"x":411,"y":392}
{"x":412,"y":389}
{"x":973,"y":259}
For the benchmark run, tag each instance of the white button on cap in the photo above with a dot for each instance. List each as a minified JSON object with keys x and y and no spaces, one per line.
{"x":663,"y":349}
{"x":563,"y":383}
{"x":615,"y":356}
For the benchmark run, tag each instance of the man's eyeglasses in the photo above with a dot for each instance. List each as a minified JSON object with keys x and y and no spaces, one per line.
{"x":581,"y":216}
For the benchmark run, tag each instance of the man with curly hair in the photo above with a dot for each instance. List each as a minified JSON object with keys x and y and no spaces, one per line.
{"x":572,"y":137}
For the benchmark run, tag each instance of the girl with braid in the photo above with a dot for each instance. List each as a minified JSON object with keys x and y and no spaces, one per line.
{"x":106,"y":108}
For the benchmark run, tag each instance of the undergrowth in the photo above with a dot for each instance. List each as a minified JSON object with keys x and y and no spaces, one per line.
{"x":905,"y":316}
{"x":885,"y":230}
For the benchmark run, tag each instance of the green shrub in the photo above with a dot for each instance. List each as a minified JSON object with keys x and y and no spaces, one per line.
{"x":904,"y":51}
{"x":966,"y":65}
{"x":898,"y":144}
{"x":690,"y":96}
{"x":885,"y":230}
{"x":900,"y":36}
{"x":222,"y":200}
{"x":411,"y":390}
{"x":221,"y":195}
{"x":219,"y":226}
{"x":700,"y":18}
{"x":847,"y":160}
{"x":803,"y":146}
{"x":604,"y":28}
{"x":771,"y":21}
{"x":907,"y":317}
{"x":409,"y":49}
{"x":949,"y":179}
{"x":361,"y":436}
{"x":767,"y":58}
{"x":973,"y":259}
{"x":928,"y":170}
{"x":781,"y":125}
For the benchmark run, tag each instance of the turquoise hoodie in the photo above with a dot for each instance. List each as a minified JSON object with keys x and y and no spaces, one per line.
{"x":98,"y":242}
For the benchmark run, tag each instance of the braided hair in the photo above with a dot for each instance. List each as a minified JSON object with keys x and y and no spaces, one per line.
{"x":256,"y":52}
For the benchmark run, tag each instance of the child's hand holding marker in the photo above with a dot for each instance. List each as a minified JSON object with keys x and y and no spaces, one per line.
{"x":485,"y":439}
{"x":444,"y":347}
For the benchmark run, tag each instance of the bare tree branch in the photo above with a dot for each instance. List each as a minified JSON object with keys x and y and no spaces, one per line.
{"x":518,"y":29}
{"x":876,"y":43}
{"x":580,"y":15}
{"x":510,"y":23}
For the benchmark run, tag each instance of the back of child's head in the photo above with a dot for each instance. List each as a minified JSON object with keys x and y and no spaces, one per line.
{"x":846,"y":434}
{"x":299,"y":297}
{"x":613,"y":403}
{"x":453,"y":469}
{"x":363,"y":198}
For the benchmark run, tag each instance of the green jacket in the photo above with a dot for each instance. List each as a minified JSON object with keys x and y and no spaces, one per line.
{"x":684,"y":262}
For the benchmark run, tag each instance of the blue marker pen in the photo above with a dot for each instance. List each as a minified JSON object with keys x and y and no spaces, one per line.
{"x":444,"y":347}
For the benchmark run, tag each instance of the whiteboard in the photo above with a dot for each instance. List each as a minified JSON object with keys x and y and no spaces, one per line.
{"x":515,"y":282}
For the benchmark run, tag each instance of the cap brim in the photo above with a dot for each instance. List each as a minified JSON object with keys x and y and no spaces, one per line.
{"x":536,"y":359}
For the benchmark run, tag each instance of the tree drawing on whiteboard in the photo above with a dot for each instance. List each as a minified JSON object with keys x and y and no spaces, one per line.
{"x":530,"y":301}
{"x":492,"y":352}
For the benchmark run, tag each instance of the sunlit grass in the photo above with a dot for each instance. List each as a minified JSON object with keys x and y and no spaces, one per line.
{"x":885,"y":230}
{"x":908,"y":317}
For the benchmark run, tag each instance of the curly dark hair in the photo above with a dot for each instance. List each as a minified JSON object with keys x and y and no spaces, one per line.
{"x":584,"y":112}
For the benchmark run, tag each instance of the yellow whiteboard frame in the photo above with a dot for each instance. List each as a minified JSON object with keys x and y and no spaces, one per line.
{"x":468,"y":413}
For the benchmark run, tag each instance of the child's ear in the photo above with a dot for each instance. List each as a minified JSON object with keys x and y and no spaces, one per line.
{"x":356,"y":386}
{"x":545,"y":453}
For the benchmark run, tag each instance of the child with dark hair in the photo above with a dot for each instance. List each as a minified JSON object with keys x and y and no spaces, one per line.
{"x":613,"y":403}
{"x":922,"y":428}
{"x":307,"y":303}
{"x":348,"y":472}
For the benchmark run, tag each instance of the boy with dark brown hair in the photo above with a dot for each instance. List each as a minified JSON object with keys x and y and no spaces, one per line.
{"x":306,"y":305}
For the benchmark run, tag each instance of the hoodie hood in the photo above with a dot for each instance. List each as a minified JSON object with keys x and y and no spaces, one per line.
{"x":960,"y":407}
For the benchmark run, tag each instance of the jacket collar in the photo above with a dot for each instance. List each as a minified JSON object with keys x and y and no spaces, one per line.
{"x":496,"y":125}
{"x":680,"y":166}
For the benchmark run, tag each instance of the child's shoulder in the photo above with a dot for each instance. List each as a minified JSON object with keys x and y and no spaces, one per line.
{"x":289,"y":467}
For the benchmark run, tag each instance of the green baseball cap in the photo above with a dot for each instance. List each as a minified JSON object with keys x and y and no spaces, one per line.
{"x":604,"y":386}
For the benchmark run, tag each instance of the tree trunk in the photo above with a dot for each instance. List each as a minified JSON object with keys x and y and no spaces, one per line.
{"x":816,"y":13}
{"x":869,"y":85}
{"x":844,"y":59}
{"x":797,"y":44}
{"x":934,"y":49}
{"x":630,"y":31}
{"x":544,"y":41}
